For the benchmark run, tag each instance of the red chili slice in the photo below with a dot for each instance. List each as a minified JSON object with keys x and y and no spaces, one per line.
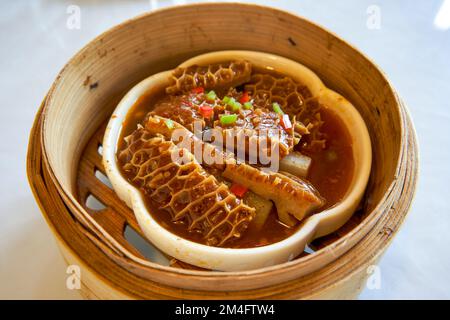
{"x":245,"y":98}
{"x":198,"y":90}
{"x":286,"y":122}
{"x":206,"y":111}
{"x":238,"y":190}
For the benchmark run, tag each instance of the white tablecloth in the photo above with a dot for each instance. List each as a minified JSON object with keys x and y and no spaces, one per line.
{"x":410,"y":41}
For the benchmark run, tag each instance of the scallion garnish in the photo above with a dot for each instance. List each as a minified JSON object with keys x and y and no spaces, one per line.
{"x":228,"y":119}
{"x":236,"y":106}
{"x":169,"y":123}
{"x":231,"y":101}
{"x":211,"y":95}
{"x":248,"y":105}
{"x":276,"y":107}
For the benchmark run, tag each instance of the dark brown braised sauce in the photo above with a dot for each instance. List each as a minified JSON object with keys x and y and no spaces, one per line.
{"x":331,"y":170}
{"x":331,"y":173}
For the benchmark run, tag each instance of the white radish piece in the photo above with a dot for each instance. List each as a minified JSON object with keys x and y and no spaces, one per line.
{"x":296,"y":163}
{"x":263,"y":208}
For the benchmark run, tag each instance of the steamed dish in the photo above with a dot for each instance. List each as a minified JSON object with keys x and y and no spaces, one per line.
{"x":235,"y":155}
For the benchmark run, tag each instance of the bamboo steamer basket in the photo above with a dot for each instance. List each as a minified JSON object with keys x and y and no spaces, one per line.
{"x":63,"y":155}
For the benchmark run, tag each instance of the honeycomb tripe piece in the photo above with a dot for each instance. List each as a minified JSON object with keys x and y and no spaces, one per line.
{"x":220,"y":76}
{"x":294,"y":198}
{"x":261,"y":126}
{"x":181,"y":109}
{"x":267,"y":88}
{"x":294,"y":98}
{"x":258,"y":127}
{"x":184,"y":189}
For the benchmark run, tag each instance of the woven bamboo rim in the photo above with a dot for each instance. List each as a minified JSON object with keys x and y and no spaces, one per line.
{"x":338,"y":266}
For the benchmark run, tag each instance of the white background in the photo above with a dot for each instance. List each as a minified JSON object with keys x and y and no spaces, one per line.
{"x":412,"y":47}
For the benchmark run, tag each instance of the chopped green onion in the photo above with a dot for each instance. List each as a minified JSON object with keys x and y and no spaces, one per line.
{"x":169,"y":123}
{"x":276,"y":107}
{"x":211,"y":95}
{"x":236,"y":106}
{"x":231,"y":101}
{"x":248,"y":105}
{"x":226,"y":99}
{"x":228,"y":119}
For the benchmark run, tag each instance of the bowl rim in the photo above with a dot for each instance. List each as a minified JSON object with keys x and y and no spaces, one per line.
{"x":321,"y":256}
{"x":319,"y":224}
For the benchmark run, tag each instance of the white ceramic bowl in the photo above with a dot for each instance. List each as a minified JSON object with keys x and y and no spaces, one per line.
{"x":226,"y":259}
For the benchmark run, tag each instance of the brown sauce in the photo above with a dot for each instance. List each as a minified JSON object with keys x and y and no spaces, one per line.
{"x":331,"y":169}
{"x":331,"y":173}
